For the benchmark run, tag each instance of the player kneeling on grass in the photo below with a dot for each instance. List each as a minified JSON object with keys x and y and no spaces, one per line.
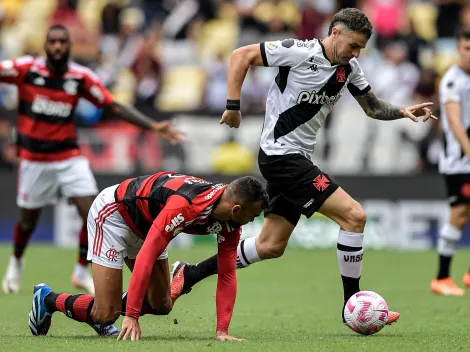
{"x":134,"y":222}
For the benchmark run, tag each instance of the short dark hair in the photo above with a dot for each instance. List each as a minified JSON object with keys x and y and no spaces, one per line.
{"x":463,"y":34}
{"x":354,"y":19}
{"x":59,"y":27}
{"x":248,"y":190}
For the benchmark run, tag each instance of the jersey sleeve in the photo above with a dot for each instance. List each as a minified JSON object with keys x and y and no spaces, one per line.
{"x":358,"y":84}
{"x":13,"y":71}
{"x":288,"y":52}
{"x":167,"y":225}
{"x":449,"y":90}
{"x":227,"y":278}
{"x":95,"y":92}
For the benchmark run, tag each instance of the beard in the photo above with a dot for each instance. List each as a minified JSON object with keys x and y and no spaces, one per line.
{"x":58,"y":63}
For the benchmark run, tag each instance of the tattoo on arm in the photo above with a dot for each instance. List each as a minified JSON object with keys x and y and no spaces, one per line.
{"x":378,"y":109}
{"x":130,"y":114}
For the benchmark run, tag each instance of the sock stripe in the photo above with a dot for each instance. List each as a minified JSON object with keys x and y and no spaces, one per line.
{"x":344,"y":248}
{"x":242,"y":250}
{"x":69,"y":307}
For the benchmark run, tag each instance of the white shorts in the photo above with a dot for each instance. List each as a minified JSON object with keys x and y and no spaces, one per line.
{"x":110,"y":240}
{"x":39,"y":183}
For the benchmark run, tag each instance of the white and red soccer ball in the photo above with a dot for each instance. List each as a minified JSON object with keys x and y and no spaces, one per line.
{"x":366,"y":312}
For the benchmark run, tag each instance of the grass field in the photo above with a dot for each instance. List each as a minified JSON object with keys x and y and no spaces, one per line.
{"x":290,"y":304}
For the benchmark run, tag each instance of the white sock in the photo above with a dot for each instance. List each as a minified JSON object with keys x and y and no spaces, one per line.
{"x":80,"y":271}
{"x":449,"y":240}
{"x":349,"y":252}
{"x":246,"y":253}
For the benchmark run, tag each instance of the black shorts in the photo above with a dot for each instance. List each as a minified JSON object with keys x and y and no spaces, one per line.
{"x":295,"y":186}
{"x":458,"y":189}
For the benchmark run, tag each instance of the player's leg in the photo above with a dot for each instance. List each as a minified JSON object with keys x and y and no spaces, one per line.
{"x":99,"y":311}
{"x":81,"y":278}
{"x":450,"y":234}
{"x":106,"y":235}
{"x":36,"y":189}
{"x":78,"y":184}
{"x":447,"y":243}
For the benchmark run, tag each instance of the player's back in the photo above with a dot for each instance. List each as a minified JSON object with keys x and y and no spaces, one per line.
{"x":144,"y":198}
{"x":454,"y":87}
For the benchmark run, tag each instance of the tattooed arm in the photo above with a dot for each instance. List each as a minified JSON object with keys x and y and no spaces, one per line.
{"x":381,"y":110}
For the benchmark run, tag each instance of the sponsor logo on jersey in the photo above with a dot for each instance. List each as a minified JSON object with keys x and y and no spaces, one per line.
{"x":70,"y":86}
{"x":177,"y":220}
{"x":215,"y":189}
{"x":302,"y":44}
{"x":193,"y":180}
{"x":96,"y":92}
{"x":39,"y":81}
{"x":8,"y":69}
{"x":42,"y":105}
{"x":314,"y":98}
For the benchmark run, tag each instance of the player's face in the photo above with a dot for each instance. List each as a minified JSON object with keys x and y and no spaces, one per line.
{"x":347,"y":45}
{"x":464,"y":53}
{"x":242,"y":215}
{"x":57,"y":47}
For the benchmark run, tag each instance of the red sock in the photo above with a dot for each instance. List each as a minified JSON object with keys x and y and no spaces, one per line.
{"x":20,"y":241}
{"x":83,"y":246}
{"x":76,"y":307}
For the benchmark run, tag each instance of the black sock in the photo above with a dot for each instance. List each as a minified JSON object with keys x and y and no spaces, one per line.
{"x":444,"y":267}
{"x":195,"y":273}
{"x":50,"y":300}
{"x":350,"y":286}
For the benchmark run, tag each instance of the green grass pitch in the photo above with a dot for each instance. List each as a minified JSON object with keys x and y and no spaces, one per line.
{"x":289,"y":304}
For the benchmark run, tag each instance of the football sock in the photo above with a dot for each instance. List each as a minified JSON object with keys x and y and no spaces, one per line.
{"x":20,"y":241}
{"x":83,"y":246}
{"x":246,"y":255}
{"x":349,"y":252}
{"x":447,"y":243}
{"x":76,"y":307}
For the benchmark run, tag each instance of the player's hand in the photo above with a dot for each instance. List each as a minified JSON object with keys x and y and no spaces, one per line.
{"x":130,"y":328}
{"x":165,"y":130}
{"x":231,"y":118}
{"x":419,"y":111}
{"x":223,"y":336}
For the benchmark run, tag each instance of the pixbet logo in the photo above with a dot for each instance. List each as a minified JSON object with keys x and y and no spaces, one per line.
{"x":314,"y":98}
{"x":51,"y":108}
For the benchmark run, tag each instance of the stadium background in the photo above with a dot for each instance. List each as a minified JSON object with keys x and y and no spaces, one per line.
{"x":169,"y":58}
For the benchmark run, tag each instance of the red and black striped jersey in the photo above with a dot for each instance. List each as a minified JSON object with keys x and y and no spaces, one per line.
{"x":157,"y":208}
{"x":46,"y":130}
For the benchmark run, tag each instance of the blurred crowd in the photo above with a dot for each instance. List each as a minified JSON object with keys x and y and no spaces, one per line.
{"x":172,"y":55}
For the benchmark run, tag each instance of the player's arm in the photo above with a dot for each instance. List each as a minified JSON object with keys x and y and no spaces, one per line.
{"x":453,"y":113}
{"x":227,"y":281}
{"x":12,"y":71}
{"x":96,"y":93}
{"x":278,"y":53}
{"x":159,"y":236}
{"x":381,"y":110}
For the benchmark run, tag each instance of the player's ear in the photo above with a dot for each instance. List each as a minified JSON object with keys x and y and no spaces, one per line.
{"x":236,"y":209}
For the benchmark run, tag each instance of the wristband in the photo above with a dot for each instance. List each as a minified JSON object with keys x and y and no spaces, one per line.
{"x":233,"y":104}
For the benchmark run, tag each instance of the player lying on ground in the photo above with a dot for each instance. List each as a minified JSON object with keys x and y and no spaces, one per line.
{"x":312,"y":77}
{"x":454,"y":164}
{"x":133,"y":222}
{"x":50,"y":159}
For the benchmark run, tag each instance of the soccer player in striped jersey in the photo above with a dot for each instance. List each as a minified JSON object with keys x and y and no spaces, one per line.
{"x":49,"y":155}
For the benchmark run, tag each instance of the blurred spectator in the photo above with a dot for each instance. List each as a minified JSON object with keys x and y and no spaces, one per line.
{"x":7,"y":148}
{"x":216,"y":86}
{"x":231,"y":158}
{"x":448,"y":19}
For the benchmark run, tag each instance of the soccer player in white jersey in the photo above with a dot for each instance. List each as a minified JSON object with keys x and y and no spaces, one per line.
{"x":312,"y":77}
{"x":454,"y":164}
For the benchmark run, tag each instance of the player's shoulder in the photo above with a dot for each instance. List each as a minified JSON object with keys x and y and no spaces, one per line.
{"x":80,"y":71}
{"x":355,"y":65}
{"x":452,"y":77}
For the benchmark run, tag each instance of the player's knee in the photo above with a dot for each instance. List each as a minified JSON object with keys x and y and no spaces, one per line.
{"x":355,"y":218}
{"x":106,"y":316}
{"x":163,"y":308}
{"x":27,"y":226}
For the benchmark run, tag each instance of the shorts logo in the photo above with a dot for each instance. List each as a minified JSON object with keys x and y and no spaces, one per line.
{"x":321,"y":183}
{"x":112,"y":255}
{"x":220,"y":238}
{"x":309,"y":203}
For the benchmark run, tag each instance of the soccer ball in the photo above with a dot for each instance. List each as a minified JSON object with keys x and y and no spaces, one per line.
{"x":366,"y":312}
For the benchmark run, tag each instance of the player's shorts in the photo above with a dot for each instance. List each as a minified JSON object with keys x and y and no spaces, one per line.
{"x":110,"y":240}
{"x":458,"y":189}
{"x":295,"y":186}
{"x":39,"y":183}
